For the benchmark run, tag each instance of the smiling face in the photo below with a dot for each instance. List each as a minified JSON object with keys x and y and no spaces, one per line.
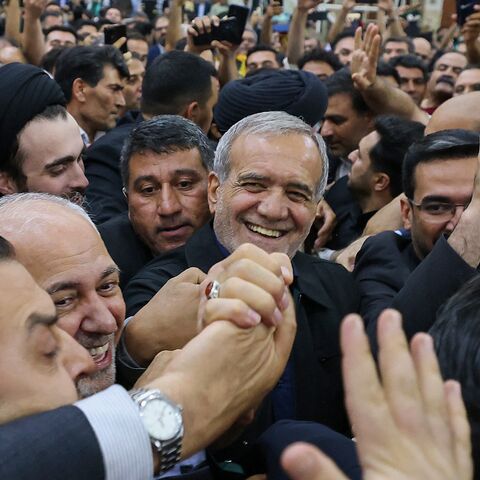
{"x":39,"y":361}
{"x":69,"y":260}
{"x":268,"y":197}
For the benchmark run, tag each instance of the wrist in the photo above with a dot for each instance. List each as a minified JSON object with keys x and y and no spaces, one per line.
{"x":137,"y":344}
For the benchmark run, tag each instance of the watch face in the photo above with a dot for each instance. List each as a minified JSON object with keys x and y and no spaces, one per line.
{"x":162,"y":420}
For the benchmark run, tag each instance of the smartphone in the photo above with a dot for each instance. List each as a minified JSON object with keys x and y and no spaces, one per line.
{"x":464,"y":9}
{"x":114,"y":33}
{"x":230,"y":28}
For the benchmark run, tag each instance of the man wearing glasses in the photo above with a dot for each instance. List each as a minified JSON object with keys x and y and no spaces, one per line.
{"x":415,"y":270}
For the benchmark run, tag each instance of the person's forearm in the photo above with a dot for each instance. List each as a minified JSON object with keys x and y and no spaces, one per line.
{"x":12,"y":21}
{"x":33,"y":40}
{"x":447,"y":37}
{"x":473,"y":51}
{"x":174,"y":30}
{"x":296,"y":36}
{"x":266,"y":32}
{"x":382,"y":98}
{"x":395,"y":28}
{"x":227,"y":69}
{"x":338,"y":25}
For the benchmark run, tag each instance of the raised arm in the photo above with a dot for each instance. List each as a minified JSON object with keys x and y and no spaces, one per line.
{"x":379,"y":95}
{"x":33,"y":39}
{"x":296,"y":34}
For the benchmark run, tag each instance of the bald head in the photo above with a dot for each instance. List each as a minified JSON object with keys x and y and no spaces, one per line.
{"x":47,"y":219}
{"x":61,"y":248}
{"x":458,"y":112}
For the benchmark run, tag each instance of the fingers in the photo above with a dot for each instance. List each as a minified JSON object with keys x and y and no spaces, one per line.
{"x":285,"y":332}
{"x":364,"y":396}
{"x":358,"y":38}
{"x":191,"y":275}
{"x":398,"y":374}
{"x":256,"y":297}
{"x":431,"y":387}
{"x":302,"y":461}
{"x":275,"y":263}
{"x":460,"y":429}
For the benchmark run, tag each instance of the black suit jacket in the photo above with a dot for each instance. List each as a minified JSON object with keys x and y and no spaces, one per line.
{"x":104,"y":197}
{"x":124,"y":246}
{"x":323,"y":293}
{"x":55,"y":445}
{"x":390,"y":275}
{"x":351,"y":221}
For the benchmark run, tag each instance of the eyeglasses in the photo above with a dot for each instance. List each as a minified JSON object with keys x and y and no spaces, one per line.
{"x":438,"y":212}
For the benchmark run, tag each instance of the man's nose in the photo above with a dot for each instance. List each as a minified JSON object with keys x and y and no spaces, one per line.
{"x":450,"y":227}
{"x":273,"y":206}
{"x":97,"y":317}
{"x":168,"y":203}
{"x":76,"y":360}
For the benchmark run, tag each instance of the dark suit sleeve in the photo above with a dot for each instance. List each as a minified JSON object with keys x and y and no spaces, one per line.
{"x":59,"y":444}
{"x":430,"y":285}
{"x":104,"y":194}
{"x":418,"y":295}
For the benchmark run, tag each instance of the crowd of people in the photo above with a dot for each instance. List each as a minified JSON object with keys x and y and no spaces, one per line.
{"x":238,"y":260}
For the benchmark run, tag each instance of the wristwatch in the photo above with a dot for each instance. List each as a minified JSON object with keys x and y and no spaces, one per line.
{"x":163,"y":422}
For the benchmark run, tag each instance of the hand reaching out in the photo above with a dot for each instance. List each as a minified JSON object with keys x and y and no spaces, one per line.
{"x":365,"y":57}
{"x":412,"y":425}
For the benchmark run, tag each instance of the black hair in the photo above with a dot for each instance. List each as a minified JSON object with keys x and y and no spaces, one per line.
{"x":266,"y":48}
{"x":165,"y":134}
{"x":384,"y":69}
{"x":7,"y":251}
{"x":341,"y":82}
{"x":396,"y":135}
{"x":13,"y":166}
{"x":407,"y":40}
{"x":347,"y":33}
{"x":456,"y":337}
{"x":451,"y":144}
{"x":50,"y":14}
{"x":82,"y":22}
{"x":135,"y":35}
{"x":60,"y":28}
{"x":49,"y":60}
{"x":174,"y":80}
{"x":410,"y":61}
{"x":144,"y":28}
{"x":87,"y":63}
{"x":320,"y":55}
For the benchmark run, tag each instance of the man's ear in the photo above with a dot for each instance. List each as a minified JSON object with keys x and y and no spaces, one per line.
{"x":381,"y":182}
{"x":7,"y":185}
{"x":192,"y":112}
{"x":406,"y":210}
{"x":213,"y":185}
{"x":78,"y":90}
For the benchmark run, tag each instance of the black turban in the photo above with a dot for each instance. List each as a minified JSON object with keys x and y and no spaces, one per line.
{"x":25,"y":91}
{"x":298,"y":93}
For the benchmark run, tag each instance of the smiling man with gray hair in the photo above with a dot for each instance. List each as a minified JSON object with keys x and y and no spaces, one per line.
{"x":269,"y":173}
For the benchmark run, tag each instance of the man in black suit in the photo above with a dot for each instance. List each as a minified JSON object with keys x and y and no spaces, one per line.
{"x":165,"y":164}
{"x":184,"y":377}
{"x":169,"y":88}
{"x":416,"y":270}
{"x":269,"y":173}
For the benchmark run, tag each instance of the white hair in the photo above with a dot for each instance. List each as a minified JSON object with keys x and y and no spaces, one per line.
{"x":269,"y":123}
{"x":26,"y":211}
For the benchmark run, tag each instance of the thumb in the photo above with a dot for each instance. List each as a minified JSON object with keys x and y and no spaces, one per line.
{"x":302,"y":461}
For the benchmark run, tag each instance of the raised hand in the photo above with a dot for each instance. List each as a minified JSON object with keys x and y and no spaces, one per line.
{"x":365,"y":57}
{"x":412,"y":425}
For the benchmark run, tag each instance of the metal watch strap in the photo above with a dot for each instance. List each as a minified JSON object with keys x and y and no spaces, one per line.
{"x":170,"y":451}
